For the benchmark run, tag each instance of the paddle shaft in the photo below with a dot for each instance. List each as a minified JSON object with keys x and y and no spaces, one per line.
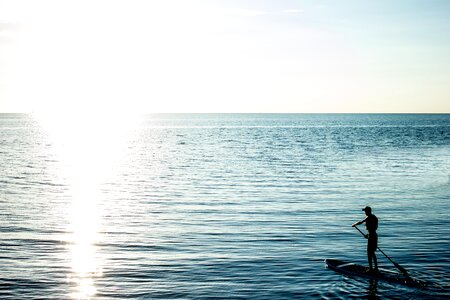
{"x":393,"y":262}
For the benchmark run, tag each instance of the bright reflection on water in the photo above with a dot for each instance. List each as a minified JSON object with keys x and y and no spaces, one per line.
{"x":88,"y":152}
{"x":84,"y":223}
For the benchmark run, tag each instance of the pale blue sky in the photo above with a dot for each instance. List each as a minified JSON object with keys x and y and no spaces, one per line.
{"x":225,"y":56}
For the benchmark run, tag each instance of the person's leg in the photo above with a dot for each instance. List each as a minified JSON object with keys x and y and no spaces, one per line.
{"x":369,"y":255}
{"x":374,"y":256}
{"x":374,"y":248}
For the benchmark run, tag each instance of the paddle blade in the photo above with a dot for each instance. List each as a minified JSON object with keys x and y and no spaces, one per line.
{"x":405,"y":273}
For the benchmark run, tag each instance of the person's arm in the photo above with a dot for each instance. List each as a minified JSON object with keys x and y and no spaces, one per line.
{"x":359,"y":223}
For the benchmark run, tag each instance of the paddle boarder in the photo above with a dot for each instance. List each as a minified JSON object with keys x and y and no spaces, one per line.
{"x":372,"y":239}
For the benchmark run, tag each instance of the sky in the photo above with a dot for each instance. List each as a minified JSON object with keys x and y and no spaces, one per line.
{"x":347,"y":56}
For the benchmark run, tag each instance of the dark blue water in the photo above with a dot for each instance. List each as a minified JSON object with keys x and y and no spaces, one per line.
{"x":220,"y":206}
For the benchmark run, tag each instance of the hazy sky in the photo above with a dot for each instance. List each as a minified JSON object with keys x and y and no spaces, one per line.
{"x":225,"y":56}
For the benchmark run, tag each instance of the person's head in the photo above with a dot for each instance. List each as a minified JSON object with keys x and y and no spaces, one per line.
{"x":367,"y":210}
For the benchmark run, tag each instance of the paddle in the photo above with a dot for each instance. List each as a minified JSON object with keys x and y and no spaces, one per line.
{"x":400,"y":268}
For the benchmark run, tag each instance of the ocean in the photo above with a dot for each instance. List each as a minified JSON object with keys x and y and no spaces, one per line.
{"x":227,"y":206}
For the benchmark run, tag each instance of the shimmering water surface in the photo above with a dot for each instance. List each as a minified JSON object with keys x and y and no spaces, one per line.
{"x":220,"y":206}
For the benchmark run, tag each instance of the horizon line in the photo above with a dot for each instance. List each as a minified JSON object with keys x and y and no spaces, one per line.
{"x":258,"y":113}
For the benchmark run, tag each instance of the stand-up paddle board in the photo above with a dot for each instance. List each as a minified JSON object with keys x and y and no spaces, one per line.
{"x":353,"y":269}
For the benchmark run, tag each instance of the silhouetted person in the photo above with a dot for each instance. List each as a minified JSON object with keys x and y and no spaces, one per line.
{"x":372,"y":238}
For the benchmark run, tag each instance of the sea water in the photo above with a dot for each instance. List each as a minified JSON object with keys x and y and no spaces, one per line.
{"x":235,"y":206}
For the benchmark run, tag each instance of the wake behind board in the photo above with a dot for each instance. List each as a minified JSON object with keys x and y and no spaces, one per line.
{"x":352,"y":269}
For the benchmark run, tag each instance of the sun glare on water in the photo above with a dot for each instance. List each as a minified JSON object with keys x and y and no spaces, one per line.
{"x":89,"y":148}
